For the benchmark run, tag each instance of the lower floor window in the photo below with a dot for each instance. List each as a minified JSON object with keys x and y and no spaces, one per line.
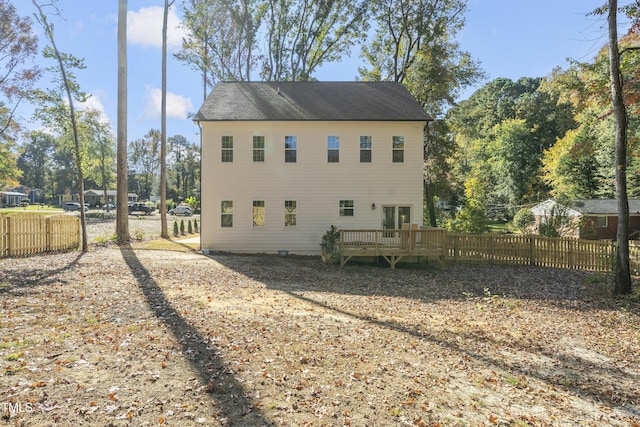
{"x":346,"y":207}
{"x":226,"y":213}
{"x":290,"y":213}
{"x":258,"y":213}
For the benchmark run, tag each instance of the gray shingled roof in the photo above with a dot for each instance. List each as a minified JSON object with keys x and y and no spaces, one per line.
{"x":331,"y":101}
{"x":604,"y":206}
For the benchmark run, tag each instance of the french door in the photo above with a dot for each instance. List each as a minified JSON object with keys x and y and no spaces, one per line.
{"x":394,"y":216}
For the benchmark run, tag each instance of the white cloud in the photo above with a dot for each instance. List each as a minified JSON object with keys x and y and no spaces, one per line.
{"x":178,"y":106}
{"x":94,"y":103}
{"x":144,"y":27}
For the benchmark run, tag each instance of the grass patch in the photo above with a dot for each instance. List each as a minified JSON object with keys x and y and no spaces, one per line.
{"x":16,"y":344}
{"x":171,"y":244}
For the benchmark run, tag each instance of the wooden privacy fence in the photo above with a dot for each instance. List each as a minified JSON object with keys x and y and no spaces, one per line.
{"x":30,"y":234}
{"x":591,"y":255}
{"x":393,"y":245}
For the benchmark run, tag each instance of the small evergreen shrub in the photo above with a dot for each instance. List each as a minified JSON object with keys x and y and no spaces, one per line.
{"x":195,"y":225}
{"x":175,"y":229}
{"x":189,"y":227}
{"x":329,"y":246}
{"x":182,"y":227}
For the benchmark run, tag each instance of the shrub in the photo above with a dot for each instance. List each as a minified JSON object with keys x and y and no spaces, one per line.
{"x":195,"y":225}
{"x":175,"y":229}
{"x":182,"y":227}
{"x":329,"y":246}
{"x":523,"y":219}
{"x":189,"y":227}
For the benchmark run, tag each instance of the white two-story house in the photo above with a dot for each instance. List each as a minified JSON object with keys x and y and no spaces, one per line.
{"x":282,"y":162}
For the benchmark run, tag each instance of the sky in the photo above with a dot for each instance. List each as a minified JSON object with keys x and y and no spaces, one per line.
{"x":510,"y":38}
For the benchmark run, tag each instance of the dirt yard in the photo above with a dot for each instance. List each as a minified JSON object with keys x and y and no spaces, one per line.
{"x":140,"y":337}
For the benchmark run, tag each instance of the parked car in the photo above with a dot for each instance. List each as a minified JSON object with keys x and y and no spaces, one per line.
{"x":141,"y":208}
{"x":181,"y":210}
{"x":73,"y":206}
{"x":109,"y":206}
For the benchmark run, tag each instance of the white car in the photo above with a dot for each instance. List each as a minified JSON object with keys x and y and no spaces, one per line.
{"x":181,"y":210}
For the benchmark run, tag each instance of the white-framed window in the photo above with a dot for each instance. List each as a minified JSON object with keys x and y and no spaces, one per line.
{"x":333,"y":149}
{"x":398,"y":149}
{"x":226,"y":213}
{"x":227,"y":149}
{"x":346,"y":208}
{"x":290,"y":213}
{"x":602,"y":222}
{"x":365,"y":149}
{"x":258,"y":148}
{"x":258,"y":213}
{"x":290,"y":149}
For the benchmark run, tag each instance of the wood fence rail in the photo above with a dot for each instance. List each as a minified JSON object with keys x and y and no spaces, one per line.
{"x":393,"y":245}
{"x":578,"y":254}
{"x":30,"y":234}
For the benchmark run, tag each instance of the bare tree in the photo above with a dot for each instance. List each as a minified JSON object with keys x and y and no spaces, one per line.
{"x":623,"y":273}
{"x":163,"y":127}
{"x":122,"y":209}
{"x":48,"y":29}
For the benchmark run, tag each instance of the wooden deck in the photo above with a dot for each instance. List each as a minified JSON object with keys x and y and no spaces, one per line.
{"x":393,"y":245}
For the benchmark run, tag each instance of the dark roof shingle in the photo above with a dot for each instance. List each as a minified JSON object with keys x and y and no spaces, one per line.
{"x":310,"y":101}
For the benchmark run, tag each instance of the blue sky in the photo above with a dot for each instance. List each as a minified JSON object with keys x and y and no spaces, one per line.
{"x":511,"y":38}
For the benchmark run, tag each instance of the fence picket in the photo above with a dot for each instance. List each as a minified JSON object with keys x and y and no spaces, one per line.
{"x":29,"y":234}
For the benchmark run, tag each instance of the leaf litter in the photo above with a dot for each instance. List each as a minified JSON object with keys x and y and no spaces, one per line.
{"x":140,"y":337}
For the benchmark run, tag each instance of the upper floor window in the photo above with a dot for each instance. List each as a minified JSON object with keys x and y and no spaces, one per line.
{"x":290,"y":149}
{"x":290,"y":213}
{"x":333,"y":149}
{"x":226,"y":213}
{"x":365,"y":149}
{"x":258,"y":148}
{"x":398,"y":149}
{"x":258,"y":213}
{"x":346,"y":207}
{"x":227,"y":149}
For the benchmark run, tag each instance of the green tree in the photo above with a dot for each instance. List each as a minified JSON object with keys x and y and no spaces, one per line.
{"x":144,"y":158}
{"x":502,"y":132}
{"x":18,"y":46}
{"x":70,"y":87}
{"x":414,"y":44}
{"x":472,"y":218}
{"x":36,"y":161}
{"x":303,"y":35}
{"x":101,"y":153}
{"x":523,"y":219}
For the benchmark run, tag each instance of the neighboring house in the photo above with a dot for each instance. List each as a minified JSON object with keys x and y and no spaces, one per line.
{"x":282,"y":162}
{"x":594,"y":219}
{"x":11,"y":198}
{"x":96,"y":197}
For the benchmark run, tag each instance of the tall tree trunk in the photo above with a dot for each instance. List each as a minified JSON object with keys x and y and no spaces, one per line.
{"x":76,"y":142}
{"x":122,"y":208}
{"x":623,"y":273}
{"x":163,"y":128}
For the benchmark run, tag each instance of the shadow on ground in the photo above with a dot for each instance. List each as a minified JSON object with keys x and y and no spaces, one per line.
{"x":233,"y":403}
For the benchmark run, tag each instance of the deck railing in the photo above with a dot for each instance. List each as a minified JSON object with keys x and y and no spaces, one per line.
{"x":392,"y":244}
{"x":590,"y":255}
{"x":27,"y":234}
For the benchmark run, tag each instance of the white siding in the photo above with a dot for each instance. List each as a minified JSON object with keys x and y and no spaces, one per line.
{"x":316,"y":185}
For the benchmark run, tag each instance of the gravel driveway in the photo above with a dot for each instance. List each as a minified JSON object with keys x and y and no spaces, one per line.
{"x":143,"y":227}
